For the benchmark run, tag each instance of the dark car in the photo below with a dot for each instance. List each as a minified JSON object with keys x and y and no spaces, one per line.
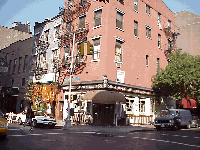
{"x":195,"y":121}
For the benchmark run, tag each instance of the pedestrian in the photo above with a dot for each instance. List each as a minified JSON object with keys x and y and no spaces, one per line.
{"x":29,"y":115}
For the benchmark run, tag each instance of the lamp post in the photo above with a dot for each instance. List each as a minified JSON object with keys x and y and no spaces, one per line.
{"x":68,"y":122}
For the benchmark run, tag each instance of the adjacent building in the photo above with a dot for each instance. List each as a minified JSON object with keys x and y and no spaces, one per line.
{"x":15,"y":49}
{"x":118,"y":47}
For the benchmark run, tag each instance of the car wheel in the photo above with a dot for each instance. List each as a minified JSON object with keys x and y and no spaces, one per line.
{"x":158,"y":128}
{"x":19,"y":121}
{"x":188,"y":126}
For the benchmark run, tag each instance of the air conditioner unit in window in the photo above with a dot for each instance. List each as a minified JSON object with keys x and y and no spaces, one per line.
{"x":118,"y":65}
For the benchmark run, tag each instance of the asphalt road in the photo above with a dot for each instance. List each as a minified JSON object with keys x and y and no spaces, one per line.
{"x":58,"y":139}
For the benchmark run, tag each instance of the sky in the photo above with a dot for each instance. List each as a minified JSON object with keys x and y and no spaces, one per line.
{"x":37,"y":10}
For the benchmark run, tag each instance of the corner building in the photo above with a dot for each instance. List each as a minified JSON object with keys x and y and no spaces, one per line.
{"x":130,"y":40}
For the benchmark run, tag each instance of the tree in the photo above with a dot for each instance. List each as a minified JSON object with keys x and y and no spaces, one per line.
{"x":180,"y":79}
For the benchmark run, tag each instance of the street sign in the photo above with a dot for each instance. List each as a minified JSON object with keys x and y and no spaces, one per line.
{"x":66,"y":79}
{"x":77,"y":78}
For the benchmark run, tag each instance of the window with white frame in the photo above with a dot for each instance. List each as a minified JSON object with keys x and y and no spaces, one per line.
{"x":158,"y":63}
{"x":148,"y":10}
{"x":96,"y":51}
{"x":141,"y":105}
{"x":159,"y":41}
{"x":159,"y":21}
{"x":57,"y":29}
{"x":129,"y":104}
{"x":46,"y":35}
{"x":148,"y":31}
{"x":169,"y":25}
{"x":68,"y":28}
{"x":136,"y":28}
{"x":169,"y":44}
{"x":147,"y":60}
{"x":119,"y":20}
{"x":136,"y":5}
{"x":118,"y":51}
{"x":97,"y":17}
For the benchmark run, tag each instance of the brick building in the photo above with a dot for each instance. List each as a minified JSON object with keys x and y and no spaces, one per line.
{"x":16,"y":48}
{"x":189,"y":38}
{"x":130,"y":41}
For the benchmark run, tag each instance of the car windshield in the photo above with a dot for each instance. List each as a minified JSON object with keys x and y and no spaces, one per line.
{"x":164,"y":113}
{"x":173,"y":113}
{"x":1,"y":115}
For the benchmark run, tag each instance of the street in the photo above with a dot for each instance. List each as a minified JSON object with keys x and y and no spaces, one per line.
{"x":56,"y":139}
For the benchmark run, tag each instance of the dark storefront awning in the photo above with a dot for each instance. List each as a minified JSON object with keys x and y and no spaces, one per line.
{"x":104,"y":97}
{"x":189,"y":103}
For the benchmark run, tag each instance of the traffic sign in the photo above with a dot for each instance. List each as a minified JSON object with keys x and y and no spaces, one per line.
{"x":77,"y":78}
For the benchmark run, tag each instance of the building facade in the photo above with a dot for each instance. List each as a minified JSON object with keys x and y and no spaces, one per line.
{"x":123,"y":45}
{"x":16,"y":48}
{"x":45,"y":60}
{"x":189,"y":38}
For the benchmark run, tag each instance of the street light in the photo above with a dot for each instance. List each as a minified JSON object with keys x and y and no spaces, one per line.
{"x":68,"y":122}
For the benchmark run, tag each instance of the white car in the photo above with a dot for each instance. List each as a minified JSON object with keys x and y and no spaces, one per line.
{"x":41,"y":119}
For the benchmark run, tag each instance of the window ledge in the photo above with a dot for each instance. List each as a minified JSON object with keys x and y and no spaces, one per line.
{"x":148,"y":15}
{"x":120,"y":29}
{"x":94,"y":60}
{"x":147,"y":65}
{"x":148,"y":37}
{"x":160,"y":48}
{"x":96,"y":27}
{"x":136,"y":36}
{"x":119,"y":62}
{"x":136,"y":11}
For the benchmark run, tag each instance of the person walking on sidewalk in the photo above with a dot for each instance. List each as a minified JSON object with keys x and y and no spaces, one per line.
{"x":29,"y":115}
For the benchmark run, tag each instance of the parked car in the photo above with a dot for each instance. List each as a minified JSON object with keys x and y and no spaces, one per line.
{"x":195,"y":121}
{"x":174,"y":119}
{"x":3,"y":125}
{"x":42,"y":119}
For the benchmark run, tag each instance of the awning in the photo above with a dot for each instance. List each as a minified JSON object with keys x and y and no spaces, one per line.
{"x":189,"y":103}
{"x":104,"y":97}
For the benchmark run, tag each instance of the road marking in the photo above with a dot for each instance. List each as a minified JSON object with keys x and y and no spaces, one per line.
{"x":34,"y":134}
{"x":17,"y":135}
{"x":54,"y":133}
{"x":13,"y":129}
{"x":184,"y":136}
{"x":180,"y":143}
{"x":174,"y":142}
{"x":120,"y":136}
{"x":164,"y":134}
{"x":192,"y":145}
{"x":175,"y":135}
{"x":153,"y":139}
{"x":48,"y":140}
{"x":87,"y":132}
{"x":150,"y":133}
{"x":196,"y":137}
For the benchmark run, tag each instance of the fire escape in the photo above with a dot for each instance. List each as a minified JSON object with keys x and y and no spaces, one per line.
{"x":72,"y":11}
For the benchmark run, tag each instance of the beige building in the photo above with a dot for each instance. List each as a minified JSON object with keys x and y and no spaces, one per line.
{"x":189,"y":38}
{"x":16,"y":48}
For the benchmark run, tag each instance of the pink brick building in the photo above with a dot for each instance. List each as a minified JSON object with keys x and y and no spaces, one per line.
{"x":130,"y":41}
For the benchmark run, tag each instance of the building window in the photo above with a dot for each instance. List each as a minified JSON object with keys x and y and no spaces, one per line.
{"x":169,"y":45}
{"x":159,"y":21}
{"x":37,"y":37}
{"x":23,"y":81}
{"x":119,"y":20}
{"x":121,"y":1}
{"x":159,"y":41}
{"x":148,"y":11}
{"x":97,"y":17}
{"x":96,"y":51}
{"x":158,"y":63}
{"x":142,"y":106}
{"x":148,"y":31}
{"x":9,"y":68}
{"x":20,"y":63}
{"x":136,"y":28}
{"x":136,"y":5}
{"x":169,"y":25}
{"x":57,"y":29}
{"x":83,"y":2}
{"x":25,"y":63}
{"x":147,"y":60}
{"x":14,"y":66}
{"x":46,"y":35}
{"x":118,"y":51}
{"x":68,"y":28}
{"x":82,"y":22}
{"x":129,"y":104}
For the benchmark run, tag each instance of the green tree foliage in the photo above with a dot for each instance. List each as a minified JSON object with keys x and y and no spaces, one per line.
{"x":180,"y":79}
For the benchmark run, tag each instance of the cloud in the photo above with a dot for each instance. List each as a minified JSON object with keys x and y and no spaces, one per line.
{"x":2,"y":3}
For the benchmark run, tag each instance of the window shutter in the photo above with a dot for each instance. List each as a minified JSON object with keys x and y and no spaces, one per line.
{"x":89,"y":48}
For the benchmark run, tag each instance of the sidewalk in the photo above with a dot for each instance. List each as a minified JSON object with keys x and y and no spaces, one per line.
{"x":87,"y":128}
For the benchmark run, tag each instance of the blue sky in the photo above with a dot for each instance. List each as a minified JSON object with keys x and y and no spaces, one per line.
{"x":38,"y":10}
